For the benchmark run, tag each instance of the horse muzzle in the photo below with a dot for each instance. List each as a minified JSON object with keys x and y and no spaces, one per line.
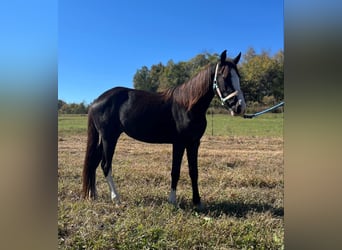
{"x":238,"y":109}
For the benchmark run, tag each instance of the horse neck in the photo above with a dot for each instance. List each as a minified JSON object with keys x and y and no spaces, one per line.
{"x":199,"y":90}
{"x":203,"y":103}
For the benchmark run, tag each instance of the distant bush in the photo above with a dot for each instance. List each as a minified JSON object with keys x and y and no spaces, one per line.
{"x":72,"y":108}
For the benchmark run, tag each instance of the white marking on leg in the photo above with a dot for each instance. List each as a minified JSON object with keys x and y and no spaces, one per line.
{"x":92,"y":195}
{"x":113,"y":192}
{"x":172,"y":197}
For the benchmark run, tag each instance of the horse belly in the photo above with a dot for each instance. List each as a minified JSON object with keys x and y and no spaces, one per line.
{"x":150,"y":134}
{"x":152,"y":129}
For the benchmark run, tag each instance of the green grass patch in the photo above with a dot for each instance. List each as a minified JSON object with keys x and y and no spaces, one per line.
{"x":240,"y":181}
{"x":104,"y":226}
{"x":269,"y":125}
{"x":72,"y":124}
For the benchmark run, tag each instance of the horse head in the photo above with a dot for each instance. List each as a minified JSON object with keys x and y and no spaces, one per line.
{"x":227,"y":84}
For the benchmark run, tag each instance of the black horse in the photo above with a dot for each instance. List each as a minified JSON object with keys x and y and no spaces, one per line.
{"x":176,"y":116}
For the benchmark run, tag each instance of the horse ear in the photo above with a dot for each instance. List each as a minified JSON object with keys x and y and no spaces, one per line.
{"x":237,"y":59}
{"x":223,"y":56}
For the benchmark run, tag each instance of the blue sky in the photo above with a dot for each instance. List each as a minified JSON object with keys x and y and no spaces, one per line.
{"x":101,"y":44}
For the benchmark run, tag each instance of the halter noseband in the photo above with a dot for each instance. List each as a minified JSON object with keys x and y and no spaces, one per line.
{"x":218,"y":91}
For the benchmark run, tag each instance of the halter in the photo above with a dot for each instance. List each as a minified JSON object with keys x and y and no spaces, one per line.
{"x":218,"y":91}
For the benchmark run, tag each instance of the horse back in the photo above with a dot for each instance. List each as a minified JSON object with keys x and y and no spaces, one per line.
{"x":147,"y":116}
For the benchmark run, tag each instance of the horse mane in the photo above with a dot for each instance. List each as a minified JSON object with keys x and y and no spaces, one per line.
{"x":188,"y":93}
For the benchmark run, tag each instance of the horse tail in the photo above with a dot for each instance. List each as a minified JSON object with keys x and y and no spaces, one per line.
{"x":92,"y":159}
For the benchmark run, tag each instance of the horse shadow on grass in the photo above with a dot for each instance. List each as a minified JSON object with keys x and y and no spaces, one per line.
{"x":238,"y":209}
{"x":216,"y":209}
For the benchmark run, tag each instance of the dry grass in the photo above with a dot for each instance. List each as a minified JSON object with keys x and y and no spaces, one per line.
{"x":240,"y":181}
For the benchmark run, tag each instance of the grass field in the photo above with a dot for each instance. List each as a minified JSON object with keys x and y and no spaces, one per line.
{"x":240,"y":182}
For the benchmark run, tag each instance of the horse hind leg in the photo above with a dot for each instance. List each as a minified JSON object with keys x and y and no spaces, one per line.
{"x":106,"y":165}
{"x":92,"y":190}
{"x":91,"y":162}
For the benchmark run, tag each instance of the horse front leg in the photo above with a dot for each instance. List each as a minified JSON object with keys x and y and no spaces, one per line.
{"x":192,"y":154}
{"x":177,"y":155}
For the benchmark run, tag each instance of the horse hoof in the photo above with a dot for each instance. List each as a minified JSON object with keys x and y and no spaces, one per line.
{"x":116,"y":200}
{"x":172,"y":202}
{"x":92,"y":196}
{"x":199,"y":206}
{"x":172,"y":197}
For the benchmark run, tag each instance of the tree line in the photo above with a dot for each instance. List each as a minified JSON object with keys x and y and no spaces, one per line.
{"x":262,"y":78}
{"x":72,"y":108}
{"x":262,"y":75}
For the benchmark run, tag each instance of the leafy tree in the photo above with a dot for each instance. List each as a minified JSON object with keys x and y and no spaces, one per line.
{"x":173,"y":75}
{"x":142,"y":79}
{"x":196,"y":63}
{"x":278,"y":83}
{"x":155,"y":73}
{"x":262,"y":75}
{"x":61,"y":103}
{"x":250,"y":54}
